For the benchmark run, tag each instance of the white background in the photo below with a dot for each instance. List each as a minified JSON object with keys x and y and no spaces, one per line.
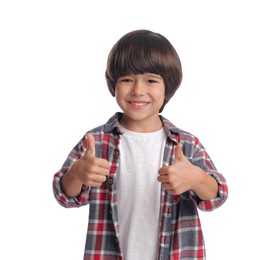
{"x":52,"y":64}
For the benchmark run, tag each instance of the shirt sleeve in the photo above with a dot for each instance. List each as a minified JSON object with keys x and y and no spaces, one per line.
{"x":64,"y":200}
{"x":201,"y":158}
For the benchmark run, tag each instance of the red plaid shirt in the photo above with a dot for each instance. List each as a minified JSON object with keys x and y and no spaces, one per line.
{"x":180,"y":229}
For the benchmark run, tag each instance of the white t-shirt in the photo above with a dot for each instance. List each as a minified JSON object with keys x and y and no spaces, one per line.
{"x":138,"y":193}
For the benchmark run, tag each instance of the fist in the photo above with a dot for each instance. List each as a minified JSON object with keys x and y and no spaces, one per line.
{"x":178,"y":177}
{"x":92,"y":171}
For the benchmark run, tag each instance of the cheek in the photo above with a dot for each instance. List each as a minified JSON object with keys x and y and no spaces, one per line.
{"x":118,"y":93}
{"x":119,"y":96}
{"x":161,"y":95}
{"x":119,"y":90}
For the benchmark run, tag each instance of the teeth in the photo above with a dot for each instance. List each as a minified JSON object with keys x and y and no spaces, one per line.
{"x":138,"y":104}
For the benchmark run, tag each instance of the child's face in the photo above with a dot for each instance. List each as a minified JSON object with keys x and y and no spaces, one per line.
{"x":140,"y":97}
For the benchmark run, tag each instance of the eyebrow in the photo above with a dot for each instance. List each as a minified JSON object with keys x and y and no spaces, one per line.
{"x":154,"y":75}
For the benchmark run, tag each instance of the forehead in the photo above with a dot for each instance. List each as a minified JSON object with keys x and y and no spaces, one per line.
{"x":143,"y":75}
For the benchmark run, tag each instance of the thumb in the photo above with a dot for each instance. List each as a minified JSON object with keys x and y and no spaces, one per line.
{"x":90,"y":144}
{"x":179,"y":152}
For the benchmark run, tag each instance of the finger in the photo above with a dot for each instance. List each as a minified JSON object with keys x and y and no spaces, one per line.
{"x":98,"y":165}
{"x":95,"y":179}
{"x":163,"y":178}
{"x":179,"y":152}
{"x":91,"y":145}
{"x":102,"y":171}
{"x":93,"y":183}
{"x":103,"y":163}
{"x":163,"y":170}
{"x":98,"y":178}
{"x":167,"y":186}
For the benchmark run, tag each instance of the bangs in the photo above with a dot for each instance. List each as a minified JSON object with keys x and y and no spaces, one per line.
{"x":139,"y":56}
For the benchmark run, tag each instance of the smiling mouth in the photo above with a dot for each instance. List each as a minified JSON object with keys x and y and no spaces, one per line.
{"x":138,"y":104}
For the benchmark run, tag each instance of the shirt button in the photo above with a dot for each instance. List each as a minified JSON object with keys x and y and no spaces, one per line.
{"x":111,"y":181}
{"x":116,"y":153}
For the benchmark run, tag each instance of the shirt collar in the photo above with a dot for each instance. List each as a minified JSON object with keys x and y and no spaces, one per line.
{"x":113,"y":125}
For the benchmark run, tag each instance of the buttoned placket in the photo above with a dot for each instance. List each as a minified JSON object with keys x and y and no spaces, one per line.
{"x":167,"y":200}
{"x":165,"y":225}
{"x":112,"y":187}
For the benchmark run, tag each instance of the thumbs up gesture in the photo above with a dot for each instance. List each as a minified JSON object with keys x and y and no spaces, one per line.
{"x":180,"y":176}
{"x":90,"y":170}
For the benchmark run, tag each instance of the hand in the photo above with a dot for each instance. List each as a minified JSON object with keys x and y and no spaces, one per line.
{"x":180,"y":176}
{"x":90,"y":170}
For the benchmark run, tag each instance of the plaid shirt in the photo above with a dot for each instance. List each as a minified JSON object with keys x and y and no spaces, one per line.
{"x":180,"y":229}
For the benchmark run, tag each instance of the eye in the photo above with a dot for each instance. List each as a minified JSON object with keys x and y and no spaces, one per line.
{"x":153,"y":78}
{"x":152,"y":81}
{"x":125,"y":79}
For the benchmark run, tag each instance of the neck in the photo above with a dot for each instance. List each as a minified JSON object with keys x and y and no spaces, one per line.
{"x":141,"y":126}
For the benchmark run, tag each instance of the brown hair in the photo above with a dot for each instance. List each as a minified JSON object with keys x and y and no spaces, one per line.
{"x":143,"y":51}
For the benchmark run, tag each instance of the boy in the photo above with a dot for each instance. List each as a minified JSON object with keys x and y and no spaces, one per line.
{"x":142,"y":177}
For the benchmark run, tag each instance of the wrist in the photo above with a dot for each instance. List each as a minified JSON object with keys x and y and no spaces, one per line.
{"x":206,"y":187}
{"x":199,"y":178}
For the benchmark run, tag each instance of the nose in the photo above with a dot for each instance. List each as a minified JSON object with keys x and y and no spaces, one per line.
{"x":138,"y":89}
